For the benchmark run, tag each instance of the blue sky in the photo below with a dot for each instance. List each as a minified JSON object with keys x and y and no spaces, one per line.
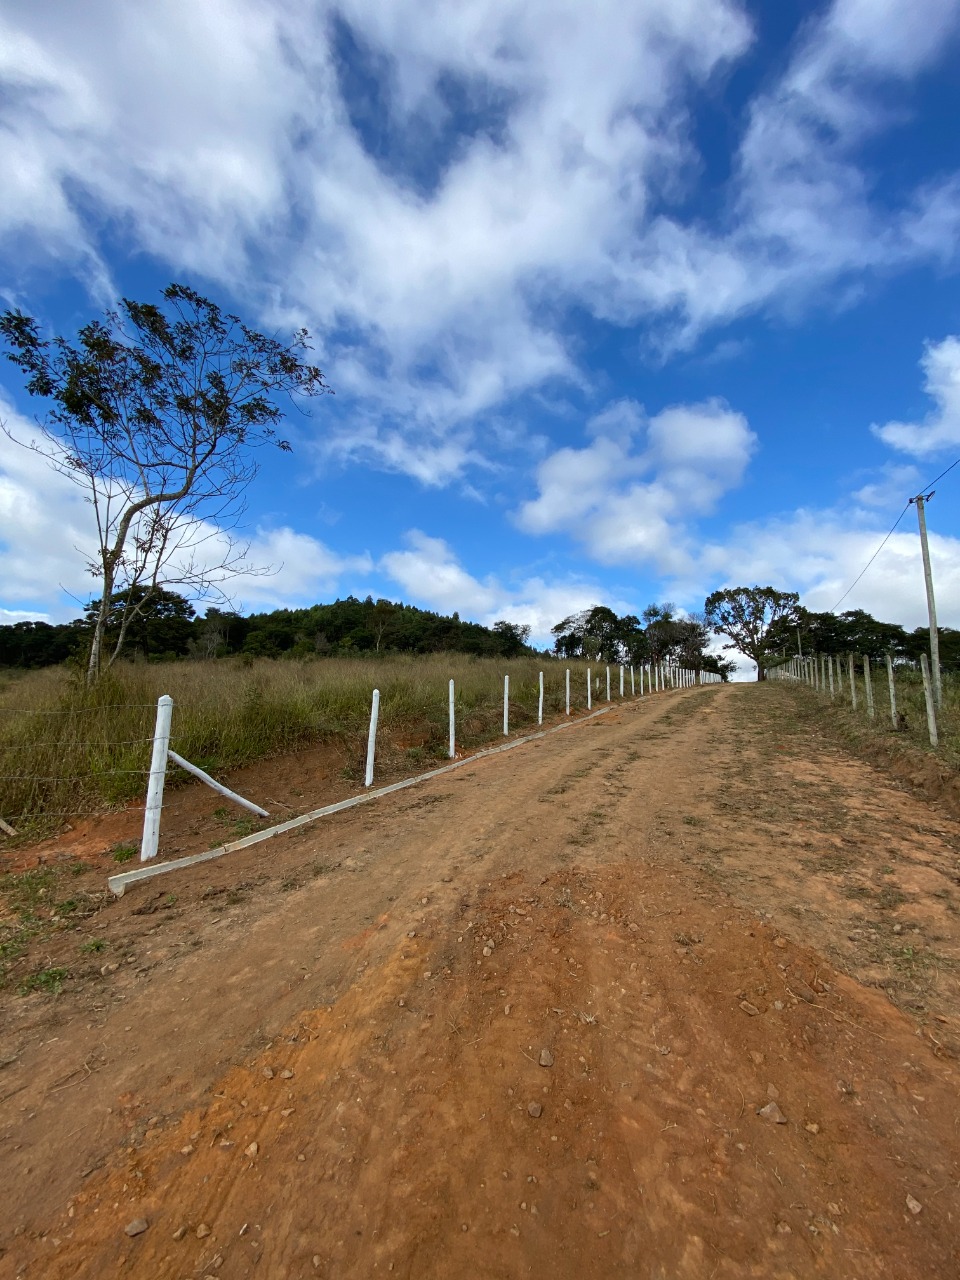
{"x":621,"y":302}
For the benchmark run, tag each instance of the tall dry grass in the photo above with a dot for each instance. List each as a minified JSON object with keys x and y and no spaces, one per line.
{"x":910,"y":706}
{"x":66,"y":750}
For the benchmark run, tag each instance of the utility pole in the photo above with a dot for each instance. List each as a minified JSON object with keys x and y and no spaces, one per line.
{"x":920,"y":499}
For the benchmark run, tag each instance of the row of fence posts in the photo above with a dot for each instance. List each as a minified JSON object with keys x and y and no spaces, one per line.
{"x":825,"y":673}
{"x":659,"y":676}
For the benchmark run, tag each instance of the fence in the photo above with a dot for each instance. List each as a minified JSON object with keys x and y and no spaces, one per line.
{"x":119,"y":758}
{"x":849,"y":675}
{"x":71,"y":762}
{"x":657,"y":678}
{"x":659,"y":675}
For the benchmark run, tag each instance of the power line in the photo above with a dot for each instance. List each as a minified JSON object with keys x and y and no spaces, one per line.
{"x":873,"y":557}
{"x":928,"y":487}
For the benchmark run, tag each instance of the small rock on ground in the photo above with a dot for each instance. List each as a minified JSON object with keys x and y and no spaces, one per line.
{"x":534,"y":1109}
{"x":772,"y":1112}
{"x":139,"y":1225}
{"x":546,"y":1058}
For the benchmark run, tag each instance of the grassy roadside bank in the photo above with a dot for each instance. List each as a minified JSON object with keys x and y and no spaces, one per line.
{"x":905,"y":751}
{"x":66,"y":750}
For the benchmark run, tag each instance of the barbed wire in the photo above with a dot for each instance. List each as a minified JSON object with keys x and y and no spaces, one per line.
{"x":65,"y":777}
{"x":72,"y":742}
{"x":37,"y":815}
{"x":81,"y":711}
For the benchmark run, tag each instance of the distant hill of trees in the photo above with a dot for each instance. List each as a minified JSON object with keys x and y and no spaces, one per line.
{"x":169,"y":628}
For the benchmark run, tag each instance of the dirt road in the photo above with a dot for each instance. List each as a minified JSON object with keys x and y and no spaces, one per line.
{"x":673,"y":994}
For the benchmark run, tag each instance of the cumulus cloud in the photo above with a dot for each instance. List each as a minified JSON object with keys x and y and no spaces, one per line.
{"x":519,"y":156}
{"x":940,"y":429}
{"x":893,"y":484}
{"x":632,"y":494}
{"x":819,"y":554}
{"x":429,"y":571}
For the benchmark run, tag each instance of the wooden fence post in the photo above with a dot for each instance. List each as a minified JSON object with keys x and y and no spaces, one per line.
{"x":893,"y":693}
{"x":928,"y":699}
{"x":868,"y":685}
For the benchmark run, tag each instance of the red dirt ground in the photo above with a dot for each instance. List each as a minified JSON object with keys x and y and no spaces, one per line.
{"x":322,"y":1056}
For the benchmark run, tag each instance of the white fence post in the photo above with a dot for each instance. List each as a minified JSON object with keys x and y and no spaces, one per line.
{"x":893,"y":692}
{"x":853,"y":684}
{"x":158,"y":770}
{"x":830,"y":672}
{"x":372,"y":737}
{"x":633,"y":691}
{"x":217,"y":786}
{"x":453,"y":724}
{"x":568,"y":690}
{"x":506,"y":706}
{"x":589,"y":690}
{"x":608,"y":684}
{"x":540,"y":704}
{"x":928,"y":699}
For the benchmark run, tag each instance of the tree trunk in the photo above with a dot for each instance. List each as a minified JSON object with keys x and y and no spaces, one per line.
{"x":99,"y":630}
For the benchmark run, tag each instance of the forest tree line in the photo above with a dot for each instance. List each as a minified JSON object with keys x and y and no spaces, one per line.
{"x":169,"y":628}
{"x":166,"y":627}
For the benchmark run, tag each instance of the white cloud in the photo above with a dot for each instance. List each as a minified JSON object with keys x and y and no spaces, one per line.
{"x":894,"y":484}
{"x":632,"y":494}
{"x":819,"y":554}
{"x":43,"y":522}
{"x":429,"y":571}
{"x":438,"y":266}
{"x":940,"y":429}
{"x":303,"y":571}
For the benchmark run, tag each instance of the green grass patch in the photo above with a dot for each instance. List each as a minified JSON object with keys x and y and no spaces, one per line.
{"x":47,"y":980}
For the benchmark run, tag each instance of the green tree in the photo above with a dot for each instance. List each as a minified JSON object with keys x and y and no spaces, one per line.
{"x":513,"y":638}
{"x":745,"y":615}
{"x":592,"y":633}
{"x":152,"y":622}
{"x":156,"y":412}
